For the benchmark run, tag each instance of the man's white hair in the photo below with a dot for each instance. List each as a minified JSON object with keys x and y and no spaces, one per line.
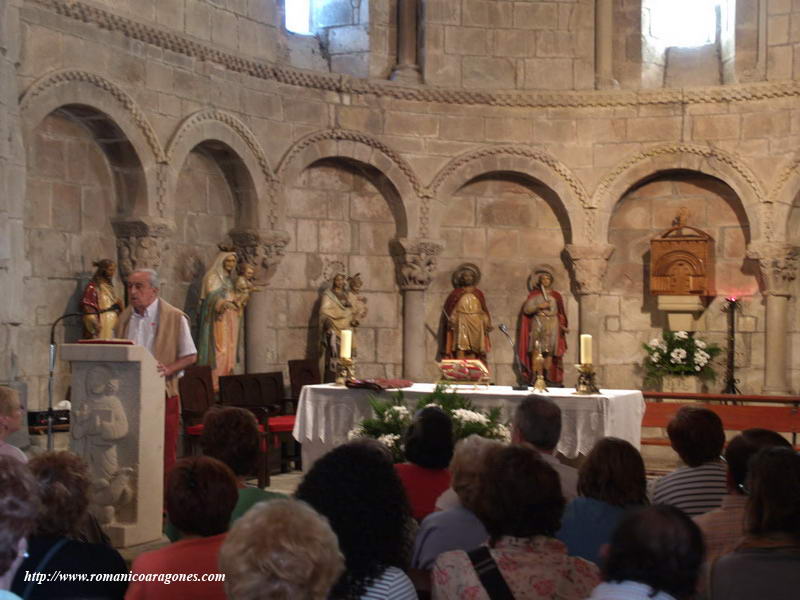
{"x":155,"y":280}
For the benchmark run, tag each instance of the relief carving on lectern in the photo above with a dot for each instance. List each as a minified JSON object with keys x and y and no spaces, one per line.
{"x":98,"y":428}
{"x":682,"y":261}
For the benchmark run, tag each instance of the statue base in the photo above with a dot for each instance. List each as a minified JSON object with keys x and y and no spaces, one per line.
{"x":345,"y":370}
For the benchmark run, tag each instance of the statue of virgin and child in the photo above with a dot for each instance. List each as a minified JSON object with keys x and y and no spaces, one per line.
{"x":226,"y":289}
{"x":341,"y":307}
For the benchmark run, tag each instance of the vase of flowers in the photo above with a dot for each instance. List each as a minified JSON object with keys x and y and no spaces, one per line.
{"x":392,"y":418}
{"x":679,"y":362}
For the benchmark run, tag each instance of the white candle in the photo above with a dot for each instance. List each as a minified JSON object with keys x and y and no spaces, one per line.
{"x":586,"y":349}
{"x":346,"y":345}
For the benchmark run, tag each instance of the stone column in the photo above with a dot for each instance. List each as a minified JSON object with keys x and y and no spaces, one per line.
{"x":604,"y":45}
{"x":264,"y":250}
{"x":589,"y":264}
{"x":407,"y":68}
{"x":141,"y":243}
{"x":777,"y":262}
{"x":416,"y":266}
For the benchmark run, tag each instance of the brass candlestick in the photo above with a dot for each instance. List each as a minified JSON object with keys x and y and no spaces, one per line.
{"x":346,"y":370}
{"x":539,"y":384}
{"x":586,"y":383}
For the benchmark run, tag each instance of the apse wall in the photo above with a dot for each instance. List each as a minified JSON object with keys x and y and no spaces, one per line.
{"x":222,"y":129}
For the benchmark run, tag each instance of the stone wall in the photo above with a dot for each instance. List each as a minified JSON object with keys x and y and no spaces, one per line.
{"x":203,"y":133}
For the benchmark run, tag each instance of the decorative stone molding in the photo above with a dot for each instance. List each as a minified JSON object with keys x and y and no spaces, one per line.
{"x":125,"y":101}
{"x":589,"y":264}
{"x":350,"y":136}
{"x":141,"y":243}
{"x":778,"y":263}
{"x":539,"y":156}
{"x":668,"y":156}
{"x":416,"y":262}
{"x":260,"y":248}
{"x":343,"y":84}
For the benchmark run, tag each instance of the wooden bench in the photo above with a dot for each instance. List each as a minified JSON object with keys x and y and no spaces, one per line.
{"x":738,"y":412}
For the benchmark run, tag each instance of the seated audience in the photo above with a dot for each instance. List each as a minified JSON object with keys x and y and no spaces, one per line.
{"x":231,"y":435}
{"x":63,"y":481}
{"x":655,"y":554}
{"x":200,"y":496}
{"x":456,"y":528}
{"x":520,"y":503}
{"x":610,"y":481}
{"x":697,"y":435}
{"x":429,"y":448}
{"x":537,"y":423}
{"x":10,"y":422}
{"x":766,"y":564}
{"x":281,"y":550}
{"x":355,"y":486}
{"x":723,"y":528}
{"x":19,"y":505}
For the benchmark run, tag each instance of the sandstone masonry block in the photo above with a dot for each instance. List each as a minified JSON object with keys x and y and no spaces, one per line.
{"x":461,"y":40}
{"x":535,"y":15}
{"x":653,"y":129}
{"x":779,"y":62}
{"x":488,"y":73}
{"x":462,"y":128}
{"x":411,"y":124}
{"x":716,"y":127}
{"x":548,"y":73}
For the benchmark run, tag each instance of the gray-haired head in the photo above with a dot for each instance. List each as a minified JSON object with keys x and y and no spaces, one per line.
{"x":153,"y":278}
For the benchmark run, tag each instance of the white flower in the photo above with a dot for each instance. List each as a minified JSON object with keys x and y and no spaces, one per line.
{"x":698,"y":368}
{"x":655,"y":342}
{"x":400,"y":410}
{"x":700,"y":344}
{"x":389,"y":439}
{"x":462,"y":414}
{"x":677,"y":355}
{"x":681,"y":335}
{"x":503,"y":431}
{"x":654,"y":358}
{"x":662,"y":345}
{"x":355,"y":433}
{"x":432,"y":404}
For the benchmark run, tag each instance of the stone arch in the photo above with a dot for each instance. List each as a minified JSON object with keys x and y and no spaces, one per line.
{"x":782,"y":200}
{"x":360,"y":148}
{"x":679,"y":157}
{"x":257,"y":210}
{"x":529,"y":163}
{"x":131,"y":142}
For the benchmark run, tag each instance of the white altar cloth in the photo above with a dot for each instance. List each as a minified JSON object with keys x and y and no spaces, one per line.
{"x":325,"y":413}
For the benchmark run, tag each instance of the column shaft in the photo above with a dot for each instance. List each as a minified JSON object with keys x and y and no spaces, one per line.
{"x":414,"y":334}
{"x":775,"y":367}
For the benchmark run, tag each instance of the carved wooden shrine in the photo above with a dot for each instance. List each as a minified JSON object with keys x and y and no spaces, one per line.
{"x":681,"y":263}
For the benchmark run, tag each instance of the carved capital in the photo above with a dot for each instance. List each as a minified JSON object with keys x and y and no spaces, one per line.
{"x":260,"y":248}
{"x":778,"y":262}
{"x":589,"y":264}
{"x":141,"y":243}
{"x":416,"y":262}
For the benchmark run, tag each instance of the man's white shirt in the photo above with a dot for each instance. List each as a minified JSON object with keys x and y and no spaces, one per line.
{"x":142,"y":331}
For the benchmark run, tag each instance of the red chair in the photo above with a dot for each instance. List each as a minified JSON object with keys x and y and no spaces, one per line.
{"x":197,"y":396}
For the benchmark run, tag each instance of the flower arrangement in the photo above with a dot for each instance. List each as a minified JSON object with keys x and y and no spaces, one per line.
{"x":679,"y":353}
{"x":392,"y":418}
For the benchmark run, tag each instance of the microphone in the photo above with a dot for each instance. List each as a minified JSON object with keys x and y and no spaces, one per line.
{"x":522,"y":369}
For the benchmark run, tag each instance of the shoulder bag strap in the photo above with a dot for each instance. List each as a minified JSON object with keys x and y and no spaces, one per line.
{"x":490,"y":576}
{"x":42,"y":564}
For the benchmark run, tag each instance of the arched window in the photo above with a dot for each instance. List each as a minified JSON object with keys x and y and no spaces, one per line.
{"x":298,"y":16}
{"x":684,"y":23}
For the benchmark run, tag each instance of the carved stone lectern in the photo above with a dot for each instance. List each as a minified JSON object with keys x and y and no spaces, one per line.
{"x":117,"y":425}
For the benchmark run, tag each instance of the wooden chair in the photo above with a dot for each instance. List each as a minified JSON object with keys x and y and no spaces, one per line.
{"x":302,"y":372}
{"x":197,"y":396}
{"x":263,"y":394}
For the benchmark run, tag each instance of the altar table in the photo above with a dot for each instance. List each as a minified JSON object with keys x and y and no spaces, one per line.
{"x":326,"y":412}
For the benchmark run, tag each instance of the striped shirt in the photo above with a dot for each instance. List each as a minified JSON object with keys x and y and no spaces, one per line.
{"x":694,"y":490}
{"x":393,"y":584}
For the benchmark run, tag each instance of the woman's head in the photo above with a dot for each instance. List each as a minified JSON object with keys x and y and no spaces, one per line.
{"x":465,"y":468}
{"x":356,"y":488}
{"x":10,"y":411}
{"x":519,"y":495}
{"x":63,"y":479}
{"x":613,"y":473}
{"x":19,"y":505}
{"x":231,"y":435}
{"x":281,"y":550}
{"x":429,"y":439}
{"x":201,"y":495}
{"x":774,"y":486}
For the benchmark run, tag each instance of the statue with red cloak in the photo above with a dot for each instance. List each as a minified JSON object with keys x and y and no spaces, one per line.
{"x":543,"y":327}
{"x":467,"y":319}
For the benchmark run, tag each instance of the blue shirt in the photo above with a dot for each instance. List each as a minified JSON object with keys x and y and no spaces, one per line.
{"x":454,"y":529}
{"x":587,"y":524}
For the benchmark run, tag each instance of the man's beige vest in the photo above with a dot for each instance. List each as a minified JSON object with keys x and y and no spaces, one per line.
{"x":165,"y":344}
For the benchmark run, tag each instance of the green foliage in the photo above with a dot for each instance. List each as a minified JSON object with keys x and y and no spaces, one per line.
{"x":392,"y":418}
{"x":679,"y":353}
